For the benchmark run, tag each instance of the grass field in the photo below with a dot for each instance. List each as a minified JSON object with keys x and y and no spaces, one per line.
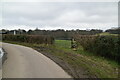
{"x":107,"y":33}
{"x":79,"y":64}
{"x":63,"y":43}
{"x":66,"y":45}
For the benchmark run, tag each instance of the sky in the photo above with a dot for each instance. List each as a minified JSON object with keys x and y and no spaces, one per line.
{"x":58,"y":15}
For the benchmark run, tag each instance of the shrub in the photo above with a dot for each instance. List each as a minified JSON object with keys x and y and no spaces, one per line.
{"x":106,"y":46}
{"x":38,"y":39}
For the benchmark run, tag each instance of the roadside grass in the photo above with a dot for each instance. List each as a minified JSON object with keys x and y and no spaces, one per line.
{"x":79,"y":64}
{"x":66,"y":45}
{"x":101,"y":66}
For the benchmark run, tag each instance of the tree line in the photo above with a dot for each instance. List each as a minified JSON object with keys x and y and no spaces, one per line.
{"x":57,"y":34}
{"x":114,"y":31}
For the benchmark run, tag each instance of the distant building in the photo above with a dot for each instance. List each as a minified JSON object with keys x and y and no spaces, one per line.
{"x":17,"y":32}
{"x":14,"y":32}
{"x":3,"y":32}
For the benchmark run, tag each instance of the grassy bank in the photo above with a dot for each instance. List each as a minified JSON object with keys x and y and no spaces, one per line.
{"x":79,"y":64}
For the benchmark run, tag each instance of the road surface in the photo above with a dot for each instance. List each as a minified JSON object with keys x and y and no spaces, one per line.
{"x":25,"y":62}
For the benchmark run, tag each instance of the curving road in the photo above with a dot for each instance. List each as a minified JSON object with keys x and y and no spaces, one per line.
{"x":25,"y":62}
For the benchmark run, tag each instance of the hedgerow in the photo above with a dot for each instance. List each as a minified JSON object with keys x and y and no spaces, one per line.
{"x":105,"y":46}
{"x":38,"y":39}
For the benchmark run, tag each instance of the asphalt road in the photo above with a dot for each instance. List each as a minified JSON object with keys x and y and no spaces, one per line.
{"x":0,"y":64}
{"x":25,"y":62}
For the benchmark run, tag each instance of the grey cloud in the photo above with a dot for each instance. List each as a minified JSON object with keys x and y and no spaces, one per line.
{"x":61,"y":14}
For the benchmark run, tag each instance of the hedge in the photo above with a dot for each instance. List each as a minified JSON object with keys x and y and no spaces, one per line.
{"x":39,"y":39}
{"x":106,"y":46}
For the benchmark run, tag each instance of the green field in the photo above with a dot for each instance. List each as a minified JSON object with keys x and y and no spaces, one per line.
{"x":66,"y":44}
{"x":107,"y":33}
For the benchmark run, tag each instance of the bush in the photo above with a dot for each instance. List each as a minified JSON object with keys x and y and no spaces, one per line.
{"x":106,"y":46}
{"x":38,"y":39}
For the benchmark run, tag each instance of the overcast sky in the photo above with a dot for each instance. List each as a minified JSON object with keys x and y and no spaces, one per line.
{"x":59,"y":15}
